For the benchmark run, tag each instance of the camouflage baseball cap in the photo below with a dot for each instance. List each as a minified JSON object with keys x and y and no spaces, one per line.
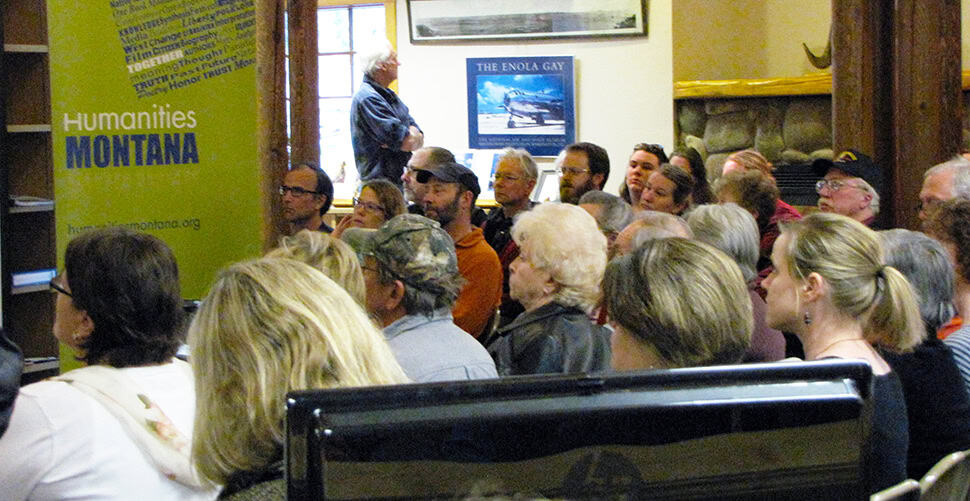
{"x":413,"y":248}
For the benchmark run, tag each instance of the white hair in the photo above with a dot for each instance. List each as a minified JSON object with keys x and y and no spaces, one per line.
{"x":371,"y":56}
{"x":615,"y":213}
{"x":576,"y":263}
{"x":874,"y":201}
{"x":666,"y":221}
{"x":731,"y":230}
{"x":961,"y":175}
{"x":525,"y":160}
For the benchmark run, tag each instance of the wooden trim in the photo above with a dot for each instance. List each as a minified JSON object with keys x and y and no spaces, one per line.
{"x":390,"y":17}
{"x":807,"y":85}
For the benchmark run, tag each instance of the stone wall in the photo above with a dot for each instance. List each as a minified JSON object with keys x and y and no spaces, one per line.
{"x":788,"y":130}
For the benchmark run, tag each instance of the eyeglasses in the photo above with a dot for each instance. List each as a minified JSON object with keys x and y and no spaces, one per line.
{"x":57,"y":287}
{"x":368,"y":206}
{"x":296,"y":191}
{"x":571,"y":171}
{"x":832,"y":184}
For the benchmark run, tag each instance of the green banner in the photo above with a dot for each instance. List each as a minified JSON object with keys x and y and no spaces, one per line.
{"x":154,"y":124}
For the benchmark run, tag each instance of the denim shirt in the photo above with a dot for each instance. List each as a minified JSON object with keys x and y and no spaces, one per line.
{"x":435,"y":349}
{"x":379,"y":122}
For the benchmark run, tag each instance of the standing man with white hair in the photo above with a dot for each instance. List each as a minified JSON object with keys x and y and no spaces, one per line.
{"x":381,"y":127}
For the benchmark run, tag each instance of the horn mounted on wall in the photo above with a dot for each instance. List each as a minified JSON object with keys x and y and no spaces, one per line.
{"x":823,"y":61}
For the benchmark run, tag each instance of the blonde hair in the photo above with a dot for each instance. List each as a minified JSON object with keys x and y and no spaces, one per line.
{"x":268,"y":327}
{"x":684,"y":298}
{"x":575,"y":263}
{"x":752,"y":160}
{"x":330,"y":255}
{"x":848,"y":255}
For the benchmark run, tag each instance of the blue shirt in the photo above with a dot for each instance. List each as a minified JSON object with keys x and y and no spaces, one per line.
{"x":435,"y":349}
{"x":379,"y":122}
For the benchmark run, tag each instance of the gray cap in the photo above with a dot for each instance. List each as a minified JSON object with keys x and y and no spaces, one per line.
{"x":413,"y":248}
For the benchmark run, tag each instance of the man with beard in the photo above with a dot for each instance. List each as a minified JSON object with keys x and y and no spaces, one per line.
{"x":421,"y":159}
{"x":450,"y":194}
{"x":584,"y":167}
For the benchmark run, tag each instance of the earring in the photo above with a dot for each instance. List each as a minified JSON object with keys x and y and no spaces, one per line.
{"x":807,"y":318}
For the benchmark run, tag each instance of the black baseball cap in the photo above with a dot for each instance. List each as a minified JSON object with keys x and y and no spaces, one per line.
{"x":853,"y":163}
{"x":450,"y":172}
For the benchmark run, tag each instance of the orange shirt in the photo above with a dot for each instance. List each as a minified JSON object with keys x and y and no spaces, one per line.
{"x":950,"y":327}
{"x":479,"y":298}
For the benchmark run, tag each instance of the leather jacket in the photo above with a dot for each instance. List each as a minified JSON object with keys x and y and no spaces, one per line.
{"x":551,"y":339}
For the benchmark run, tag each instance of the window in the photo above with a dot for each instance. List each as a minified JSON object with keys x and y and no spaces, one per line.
{"x":342,"y":29}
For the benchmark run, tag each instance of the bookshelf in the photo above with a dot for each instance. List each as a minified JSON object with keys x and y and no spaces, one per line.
{"x":27,"y":233}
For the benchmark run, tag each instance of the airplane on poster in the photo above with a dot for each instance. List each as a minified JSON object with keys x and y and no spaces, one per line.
{"x":536,"y":107}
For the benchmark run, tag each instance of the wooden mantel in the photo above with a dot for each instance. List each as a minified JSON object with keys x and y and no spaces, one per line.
{"x":813,"y":84}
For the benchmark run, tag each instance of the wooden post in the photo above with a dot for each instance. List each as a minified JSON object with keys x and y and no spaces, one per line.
{"x":304,"y":95}
{"x":271,"y":105}
{"x":896,"y":91}
{"x":862,"y":83}
{"x":927,"y":98}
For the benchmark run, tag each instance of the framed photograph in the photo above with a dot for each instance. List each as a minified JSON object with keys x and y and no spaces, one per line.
{"x":450,"y":20}
{"x":547,"y":187}
{"x":521,"y":102}
{"x":483,"y":163}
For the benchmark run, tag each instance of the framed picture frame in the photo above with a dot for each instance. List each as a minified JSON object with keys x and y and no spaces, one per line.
{"x":547,"y":186}
{"x":521,"y":102}
{"x":435,"y":21}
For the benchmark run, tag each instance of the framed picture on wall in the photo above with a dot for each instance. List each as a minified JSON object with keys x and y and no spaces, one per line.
{"x":547,"y":187}
{"x":450,"y":20}
{"x":521,"y":102}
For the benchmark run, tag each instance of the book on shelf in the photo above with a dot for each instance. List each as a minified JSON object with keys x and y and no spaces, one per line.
{"x":29,"y":201}
{"x":35,"y":277}
{"x":41,"y":364}
{"x":39,"y":360}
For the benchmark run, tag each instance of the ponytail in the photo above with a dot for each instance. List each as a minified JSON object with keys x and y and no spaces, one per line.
{"x":894,"y":321}
{"x":850,"y":258}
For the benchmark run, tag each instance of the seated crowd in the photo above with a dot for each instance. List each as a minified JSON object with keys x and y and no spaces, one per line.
{"x":676,"y":270}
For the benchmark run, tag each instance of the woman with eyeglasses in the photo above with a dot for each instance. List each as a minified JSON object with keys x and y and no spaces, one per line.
{"x":645,"y":159}
{"x":378,"y":201}
{"x":123,"y":424}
